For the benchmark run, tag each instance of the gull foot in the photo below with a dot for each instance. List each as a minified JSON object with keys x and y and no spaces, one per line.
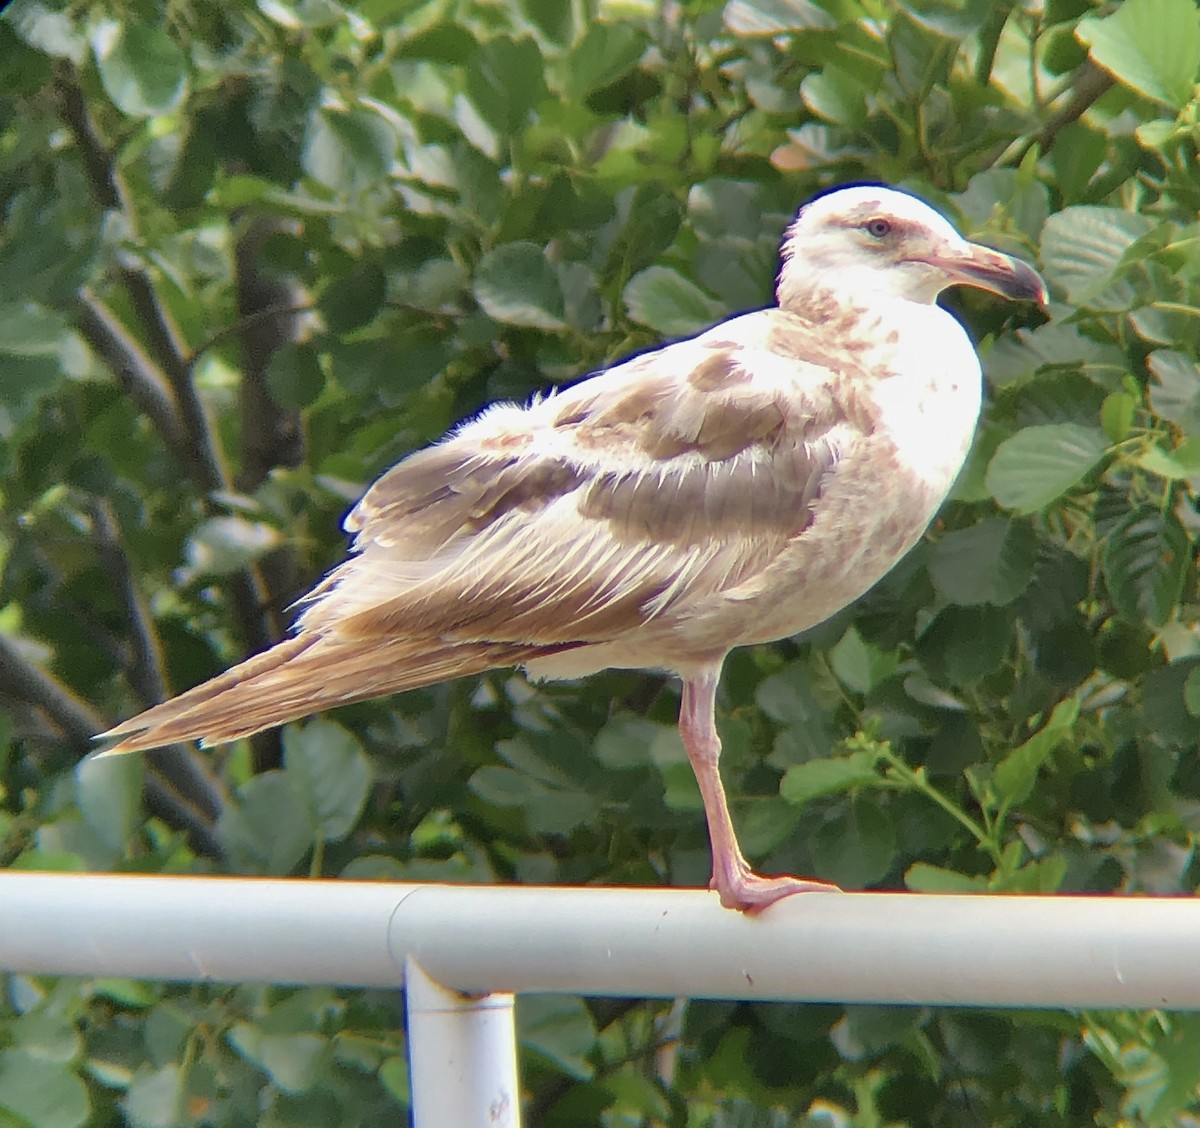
{"x":751,"y":893}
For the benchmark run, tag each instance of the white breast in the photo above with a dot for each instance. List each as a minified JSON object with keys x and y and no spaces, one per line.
{"x":930,"y":405}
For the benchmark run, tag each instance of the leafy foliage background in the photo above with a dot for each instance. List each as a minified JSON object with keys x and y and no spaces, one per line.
{"x":252,"y":254}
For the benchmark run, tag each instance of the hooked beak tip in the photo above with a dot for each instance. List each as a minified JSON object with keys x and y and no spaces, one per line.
{"x":988,"y":269}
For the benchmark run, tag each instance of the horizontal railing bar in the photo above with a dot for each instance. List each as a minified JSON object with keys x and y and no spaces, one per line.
{"x":1016,"y":951}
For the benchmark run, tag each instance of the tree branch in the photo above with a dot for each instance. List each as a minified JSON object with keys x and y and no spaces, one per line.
{"x":1088,"y":85}
{"x":146,"y":385}
{"x":196,"y":444}
{"x":162,"y":336}
{"x":77,"y":723}
{"x":144,"y":670}
{"x":181,"y":765}
{"x":236,"y":328}
{"x":97,"y":161}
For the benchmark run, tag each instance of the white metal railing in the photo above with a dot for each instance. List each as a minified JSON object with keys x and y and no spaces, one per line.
{"x":463,"y":952}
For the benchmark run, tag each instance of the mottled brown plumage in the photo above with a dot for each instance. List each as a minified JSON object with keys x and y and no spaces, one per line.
{"x":734,"y":488}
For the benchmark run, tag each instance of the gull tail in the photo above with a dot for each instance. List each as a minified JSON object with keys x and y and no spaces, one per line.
{"x":303,"y":675}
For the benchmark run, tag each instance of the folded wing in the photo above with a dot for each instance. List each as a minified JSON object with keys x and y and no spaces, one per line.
{"x":531,"y":531}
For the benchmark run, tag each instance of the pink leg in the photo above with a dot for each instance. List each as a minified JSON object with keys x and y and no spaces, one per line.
{"x":739,"y":886}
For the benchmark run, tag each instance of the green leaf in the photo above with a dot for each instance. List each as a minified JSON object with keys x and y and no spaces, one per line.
{"x":962,"y":645}
{"x":1175,"y":392}
{"x":860,"y":665}
{"x":766,"y":823}
{"x":1145,"y":563}
{"x":624,"y":742}
{"x":668,"y":303}
{"x":295,"y":375}
{"x":680,"y":790}
{"x":28,"y":329}
{"x":554,"y":19}
{"x":605,"y":53}
{"x":301,"y":14}
{"x":1151,"y":45}
{"x":332,"y":770}
{"x":1191,"y":693}
{"x":515,"y":284}
{"x":1116,"y":415}
{"x":802,"y":783}
{"x":353,"y":299}
{"x":109,"y":792}
{"x":439,"y":43}
{"x":272,"y":826}
{"x":653,"y":218}
{"x":393,"y":1073}
{"x":1016,"y":774}
{"x":990,"y":562}
{"x":775,"y":17}
{"x":1081,"y":251}
{"x":43,"y":1094}
{"x":836,"y":96}
{"x":222,"y":545}
{"x":1165,"y":704}
{"x":154,"y":1099}
{"x":1078,"y":154}
{"x":504,"y":787}
{"x":141,"y":69}
{"x":48,"y":1034}
{"x":1181,"y":462}
{"x":293,"y":1062}
{"x":131,"y":993}
{"x":1172,"y":1092}
{"x":1039,"y":464}
{"x":560,"y":812}
{"x":865,"y":1031}
{"x":505,"y":80}
{"x":921,"y":877}
{"x":560,"y":1029}
{"x":1045,"y":875}
{"x":349,"y":150}
{"x":855,"y":847}
{"x":53,"y":33}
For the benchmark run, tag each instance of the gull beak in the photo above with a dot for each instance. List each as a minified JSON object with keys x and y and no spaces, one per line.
{"x":973,"y":264}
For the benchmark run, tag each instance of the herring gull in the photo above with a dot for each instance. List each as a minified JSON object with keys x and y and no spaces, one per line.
{"x":733,"y":488}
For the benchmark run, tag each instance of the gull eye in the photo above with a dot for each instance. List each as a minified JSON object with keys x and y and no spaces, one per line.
{"x":877,"y":228}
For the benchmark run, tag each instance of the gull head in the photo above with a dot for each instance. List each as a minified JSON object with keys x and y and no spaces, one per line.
{"x":867,"y":243}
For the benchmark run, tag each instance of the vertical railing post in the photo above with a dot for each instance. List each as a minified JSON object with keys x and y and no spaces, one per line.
{"x":462,"y":1056}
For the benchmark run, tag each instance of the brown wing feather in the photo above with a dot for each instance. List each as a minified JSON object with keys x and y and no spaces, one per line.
{"x":300,"y":676}
{"x":530,"y":531}
{"x":598,"y":509}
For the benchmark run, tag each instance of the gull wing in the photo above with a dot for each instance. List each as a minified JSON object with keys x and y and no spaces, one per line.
{"x":533,"y":531}
{"x":674,"y":476}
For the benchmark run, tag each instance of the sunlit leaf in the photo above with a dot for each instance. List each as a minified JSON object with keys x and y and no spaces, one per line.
{"x":142,"y":68}
{"x":349,"y":149}
{"x":155,"y":1098}
{"x":515,"y":284}
{"x":771,"y":17}
{"x":332,"y":770}
{"x":292,"y":1061}
{"x":1151,"y":45}
{"x":42,"y":1094}
{"x":1014,"y":776}
{"x":1082,"y":248}
{"x":805,"y":782}
{"x":667,"y":302}
{"x":1039,"y":464}
{"x":109,"y":792}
